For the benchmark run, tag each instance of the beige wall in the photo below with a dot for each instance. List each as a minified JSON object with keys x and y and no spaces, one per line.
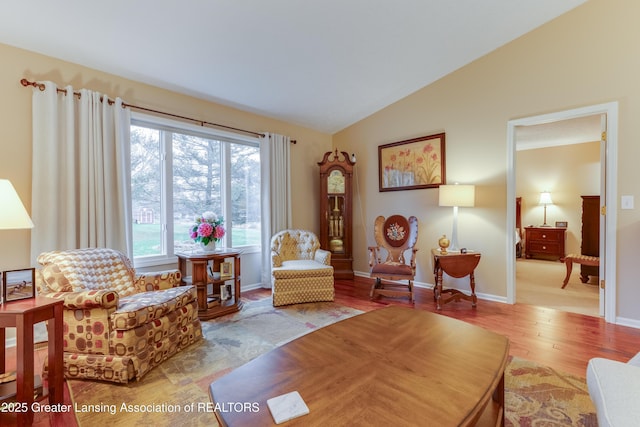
{"x":586,"y":57}
{"x":15,"y":144}
{"x":567,"y":172}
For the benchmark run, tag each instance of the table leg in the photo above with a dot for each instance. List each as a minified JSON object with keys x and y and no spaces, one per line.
{"x":472,"y":283}
{"x":498,"y":397}
{"x":24,"y":365}
{"x":438,"y":289}
{"x":56,"y":359}
{"x":2,"y":350}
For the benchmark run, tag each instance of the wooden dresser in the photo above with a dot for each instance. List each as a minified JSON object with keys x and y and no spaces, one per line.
{"x":545,"y":242}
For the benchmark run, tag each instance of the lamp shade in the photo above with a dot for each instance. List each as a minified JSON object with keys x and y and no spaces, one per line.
{"x":457,"y":195}
{"x":545,"y":198}
{"x":13,"y":215}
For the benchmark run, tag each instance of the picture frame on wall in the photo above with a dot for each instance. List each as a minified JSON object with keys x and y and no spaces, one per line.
{"x":18,"y":284}
{"x":412,"y":164}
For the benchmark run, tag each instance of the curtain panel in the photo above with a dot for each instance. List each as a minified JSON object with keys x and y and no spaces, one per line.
{"x":81,"y":185}
{"x":275,"y":155}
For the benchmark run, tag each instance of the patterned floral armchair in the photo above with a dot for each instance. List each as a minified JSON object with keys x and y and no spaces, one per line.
{"x":300,"y":271}
{"x":117,"y":324}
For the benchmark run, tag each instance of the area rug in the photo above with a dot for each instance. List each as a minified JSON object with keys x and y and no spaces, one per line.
{"x":176,"y":392}
{"x":537,"y":395}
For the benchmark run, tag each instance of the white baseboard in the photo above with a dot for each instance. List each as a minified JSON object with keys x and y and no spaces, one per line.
{"x":481,"y":296}
{"x":632,"y":323}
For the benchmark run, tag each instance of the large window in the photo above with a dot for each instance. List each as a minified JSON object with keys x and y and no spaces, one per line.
{"x":178,"y":172}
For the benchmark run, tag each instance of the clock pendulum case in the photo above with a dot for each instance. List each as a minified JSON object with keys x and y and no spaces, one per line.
{"x":336,"y":206}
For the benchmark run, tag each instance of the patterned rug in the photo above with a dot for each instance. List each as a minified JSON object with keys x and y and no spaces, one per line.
{"x":181,"y":383}
{"x":537,"y":395}
{"x":176,"y":392}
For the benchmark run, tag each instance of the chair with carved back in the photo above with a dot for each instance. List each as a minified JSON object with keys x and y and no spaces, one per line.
{"x":395,"y":235}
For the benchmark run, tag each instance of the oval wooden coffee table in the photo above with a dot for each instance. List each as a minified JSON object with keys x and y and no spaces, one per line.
{"x":393,"y":366}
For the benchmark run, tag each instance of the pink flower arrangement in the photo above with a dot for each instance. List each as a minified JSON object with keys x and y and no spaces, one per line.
{"x":207,"y":228}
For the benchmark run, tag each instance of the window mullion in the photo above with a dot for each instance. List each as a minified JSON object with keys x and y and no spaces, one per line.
{"x":167,"y":193}
{"x":226,"y":191}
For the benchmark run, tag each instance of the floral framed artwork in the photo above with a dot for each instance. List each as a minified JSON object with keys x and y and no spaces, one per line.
{"x":412,"y":164}
{"x":18,"y":284}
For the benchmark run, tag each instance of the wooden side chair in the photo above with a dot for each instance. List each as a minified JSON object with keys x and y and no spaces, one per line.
{"x":395,"y":235}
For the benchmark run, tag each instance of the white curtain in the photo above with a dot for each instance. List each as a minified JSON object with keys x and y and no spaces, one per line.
{"x":81,"y":185}
{"x":275,"y":195}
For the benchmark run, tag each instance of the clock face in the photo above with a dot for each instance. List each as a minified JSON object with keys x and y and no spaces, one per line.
{"x":335,"y":182}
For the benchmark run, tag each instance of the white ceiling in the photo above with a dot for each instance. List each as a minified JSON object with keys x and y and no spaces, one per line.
{"x":323,"y":64}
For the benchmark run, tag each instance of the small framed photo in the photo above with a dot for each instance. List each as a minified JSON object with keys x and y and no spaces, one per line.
{"x":562,"y":224}
{"x":18,"y":284}
{"x":225,"y":292}
{"x":225,"y":269}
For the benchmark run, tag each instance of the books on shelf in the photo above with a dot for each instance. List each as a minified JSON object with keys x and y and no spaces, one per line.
{"x":213,"y":301}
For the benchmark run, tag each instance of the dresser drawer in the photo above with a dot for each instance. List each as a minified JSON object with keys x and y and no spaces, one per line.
{"x":543,"y":248}
{"x":546,"y":235}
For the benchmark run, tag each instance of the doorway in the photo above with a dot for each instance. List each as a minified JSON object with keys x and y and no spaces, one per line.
{"x":609,"y":113}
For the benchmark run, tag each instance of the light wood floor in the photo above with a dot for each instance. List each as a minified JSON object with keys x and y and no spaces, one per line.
{"x":561,"y":340}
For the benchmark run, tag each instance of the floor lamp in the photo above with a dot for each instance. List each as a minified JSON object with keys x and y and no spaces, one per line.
{"x":13,"y":215}
{"x":457,"y":196}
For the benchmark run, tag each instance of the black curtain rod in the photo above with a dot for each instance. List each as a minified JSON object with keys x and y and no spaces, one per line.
{"x":41,"y":86}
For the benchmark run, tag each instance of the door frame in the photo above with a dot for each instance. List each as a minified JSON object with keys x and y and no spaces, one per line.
{"x":610,"y":183}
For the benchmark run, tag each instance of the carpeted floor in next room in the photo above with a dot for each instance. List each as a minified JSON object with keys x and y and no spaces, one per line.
{"x":535,"y":394}
{"x":539,"y":283}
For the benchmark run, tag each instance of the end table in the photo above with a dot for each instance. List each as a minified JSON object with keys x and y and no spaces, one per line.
{"x":457,"y":265}
{"x":22,"y":315}
{"x":200,"y":261}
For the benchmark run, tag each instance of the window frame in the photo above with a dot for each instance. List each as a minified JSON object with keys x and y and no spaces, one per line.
{"x":166,"y":125}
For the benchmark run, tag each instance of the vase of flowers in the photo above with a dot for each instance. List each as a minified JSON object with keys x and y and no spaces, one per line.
{"x":207,"y":231}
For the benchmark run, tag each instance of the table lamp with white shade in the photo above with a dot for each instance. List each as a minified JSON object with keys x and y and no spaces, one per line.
{"x":13,"y":215}
{"x":457,"y":196}
{"x":545,"y":199}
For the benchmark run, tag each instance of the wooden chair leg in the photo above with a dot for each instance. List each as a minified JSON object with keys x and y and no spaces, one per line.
{"x":377,"y":284}
{"x":569,"y":263}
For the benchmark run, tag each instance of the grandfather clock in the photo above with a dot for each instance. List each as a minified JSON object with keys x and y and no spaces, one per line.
{"x":336,"y":205}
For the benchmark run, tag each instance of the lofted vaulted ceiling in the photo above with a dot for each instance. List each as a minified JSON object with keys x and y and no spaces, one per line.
{"x":320,"y":64}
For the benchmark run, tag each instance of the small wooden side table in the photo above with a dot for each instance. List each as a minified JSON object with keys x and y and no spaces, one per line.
{"x":210,"y":303}
{"x":22,"y":315}
{"x":457,"y":265}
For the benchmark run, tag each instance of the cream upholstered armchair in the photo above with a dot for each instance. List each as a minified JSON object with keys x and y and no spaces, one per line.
{"x":614,"y":388}
{"x":117,"y":324}
{"x":300,"y":270}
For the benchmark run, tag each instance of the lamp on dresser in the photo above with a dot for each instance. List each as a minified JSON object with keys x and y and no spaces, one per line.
{"x":545,"y":199}
{"x":457,"y":196}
